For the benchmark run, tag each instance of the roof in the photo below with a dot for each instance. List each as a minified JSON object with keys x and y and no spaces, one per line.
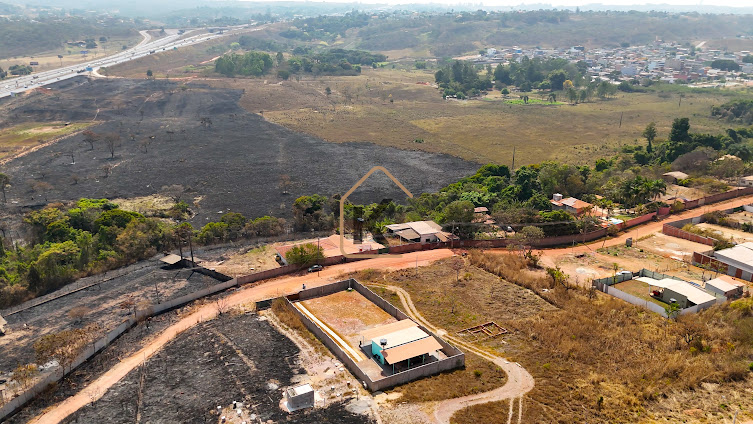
{"x":740,"y":253}
{"x":373,"y":333}
{"x":572,"y":202}
{"x":723,"y":285}
{"x":420,"y":227}
{"x":171,"y":259}
{"x":480,"y":209}
{"x":411,"y":350}
{"x":408,"y":234}
{"x":400,"y":337}
{"x":296,"y":391}
{"x":676,"y":174}
{"x":694,"y":294}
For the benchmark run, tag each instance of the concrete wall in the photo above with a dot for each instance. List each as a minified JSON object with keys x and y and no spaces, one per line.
{"x":651,"y":306}
{"x":455,"y":358}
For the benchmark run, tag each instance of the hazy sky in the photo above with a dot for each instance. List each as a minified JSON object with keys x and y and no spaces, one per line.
{"x":559,"y":3}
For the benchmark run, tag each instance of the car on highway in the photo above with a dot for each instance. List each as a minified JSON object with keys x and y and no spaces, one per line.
{"x":315,"y":268}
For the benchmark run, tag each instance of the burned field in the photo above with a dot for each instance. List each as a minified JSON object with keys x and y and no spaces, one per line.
{"x":232,"y":358}
{"x":104,"y":305}
{"x":198,"y":137}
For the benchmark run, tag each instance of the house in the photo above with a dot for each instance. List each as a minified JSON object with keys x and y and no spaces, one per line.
{"x":570,"y":204}
{"x":420,"y":231}
{"x":724,"y":286}
{"x":738,"y":260}
{"x":684,"y":294}
{"x":402,"y":342}
{"x":673,"y":176}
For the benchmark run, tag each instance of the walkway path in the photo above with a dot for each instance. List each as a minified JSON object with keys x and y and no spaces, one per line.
{"x":266,"y":290}
{"x":519,"y":381}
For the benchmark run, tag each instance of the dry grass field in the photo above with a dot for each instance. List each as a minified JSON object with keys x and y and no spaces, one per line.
{"x":393,"y":108}
{"x":20,"y":137}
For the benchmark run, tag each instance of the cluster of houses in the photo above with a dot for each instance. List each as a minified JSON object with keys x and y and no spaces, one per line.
{"x":659,"y":61}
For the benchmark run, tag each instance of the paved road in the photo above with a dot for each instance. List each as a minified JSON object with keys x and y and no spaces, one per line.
{"x":146,"y":47}
{"x":266,"y":290}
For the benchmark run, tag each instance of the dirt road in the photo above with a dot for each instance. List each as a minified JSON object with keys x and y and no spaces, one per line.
{"x":519,"y":381}
{"x":272,"y":288}
{"x":651,"y":227}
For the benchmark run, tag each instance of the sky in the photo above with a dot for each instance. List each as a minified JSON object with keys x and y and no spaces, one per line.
{"x":560,"y":3}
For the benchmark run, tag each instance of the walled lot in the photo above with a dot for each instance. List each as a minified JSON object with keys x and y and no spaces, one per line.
{"x":671,"y":247}
{"x":231,"y":358}
{"x":737,"y":236}
{"x":236,"y":164}
{"x":348,"y":314}
{"x":134,"y":284}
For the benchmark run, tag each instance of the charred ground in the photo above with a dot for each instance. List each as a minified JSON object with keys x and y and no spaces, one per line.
{"x":232,"y":358}
{"x":234,"y":163}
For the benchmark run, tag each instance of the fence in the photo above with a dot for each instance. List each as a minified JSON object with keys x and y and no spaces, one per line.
{"x":673,"y":231}
{"x":455,"y":358}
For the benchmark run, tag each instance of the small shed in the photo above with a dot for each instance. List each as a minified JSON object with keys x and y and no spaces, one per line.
{"x":724,"y":286}
{"x":674,"y":176}
{"x":300,"y":397}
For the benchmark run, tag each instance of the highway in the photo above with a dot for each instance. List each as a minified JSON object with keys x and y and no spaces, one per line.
{"x":146,"y":47}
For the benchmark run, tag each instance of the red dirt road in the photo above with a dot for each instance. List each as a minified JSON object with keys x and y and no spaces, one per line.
{"x":266,"y":290}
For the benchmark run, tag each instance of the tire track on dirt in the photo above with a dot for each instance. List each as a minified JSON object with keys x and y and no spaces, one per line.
{"x":519,"y":381}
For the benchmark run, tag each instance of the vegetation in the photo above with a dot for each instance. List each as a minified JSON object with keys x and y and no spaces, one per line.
{"x":331,"y":62}
{"x":576,"y":343}
{"x":739,"y":110}
{"x":249,"y":64}
{"x":304,"y":255}
{"x":461,"y":79}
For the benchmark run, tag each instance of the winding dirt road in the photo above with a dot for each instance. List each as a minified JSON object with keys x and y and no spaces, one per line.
{"x":266,"y":290}
{"x":519,"y":381}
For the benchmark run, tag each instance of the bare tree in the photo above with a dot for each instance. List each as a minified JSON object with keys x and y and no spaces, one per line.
{"x":91,"y":137}
{"x":174,"y":192}
{"x":42,"y":188}
{"x":112,"y":140}
{"x":145,"y":143}
{"x":72,"y":156}
{"x":221,"y":304}
{"x":75,"y":179}
{"x":457,"y":264}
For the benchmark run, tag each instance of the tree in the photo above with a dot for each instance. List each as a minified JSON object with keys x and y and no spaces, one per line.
{"x":23,"y":374}
{"x":529,"y":235}
{"x":328,"y":91}
{"x":4,"y":182}
{"x":63,"y":346}
{"x":91,"y":137}
{"x":557,"y":79}
{"x":558,"y":277}
{"x":149,"y":73}
{"x":304,"y":254}
{"x":42,"y":187}
{"x":280,"y":58}
{"x":112,"y":141}
{"x":680,"y":130}
{"x":456,"y":264}
{"x":460,"y":214}
{"x":650,"y":134}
